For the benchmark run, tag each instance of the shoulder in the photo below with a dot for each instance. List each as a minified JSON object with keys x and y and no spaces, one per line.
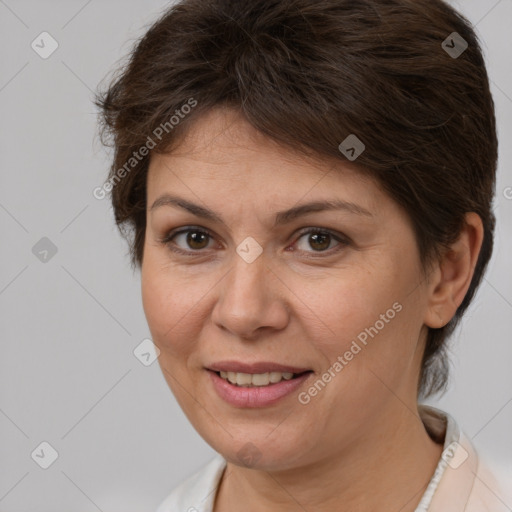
{"x":196,"y":493}
{"x":492,"y":489}
{"x":466,"y":481}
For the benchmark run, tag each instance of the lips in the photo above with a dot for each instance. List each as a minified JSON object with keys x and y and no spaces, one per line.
{"x":258,"y":384}
{"x":256,"y":396}
{"x":259,"y":367}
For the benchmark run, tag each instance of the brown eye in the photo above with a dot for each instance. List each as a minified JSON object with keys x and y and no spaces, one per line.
{"x":320,"y":241}
{"x":187,"y":240}
{"x":196,"y":239}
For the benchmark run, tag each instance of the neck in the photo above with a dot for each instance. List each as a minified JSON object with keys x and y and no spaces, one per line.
{"x":370,"y":474}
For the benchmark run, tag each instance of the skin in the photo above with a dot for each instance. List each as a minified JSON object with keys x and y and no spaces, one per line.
{"x":360,"y":441}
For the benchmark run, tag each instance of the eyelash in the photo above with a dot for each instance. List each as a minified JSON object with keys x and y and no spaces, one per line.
{"x":167,"y":240}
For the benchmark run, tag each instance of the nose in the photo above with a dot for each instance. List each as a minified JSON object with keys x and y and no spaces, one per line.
{"x":251,"y":301}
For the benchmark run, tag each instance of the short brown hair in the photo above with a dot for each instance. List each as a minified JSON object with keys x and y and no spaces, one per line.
{"x":308,"y":73}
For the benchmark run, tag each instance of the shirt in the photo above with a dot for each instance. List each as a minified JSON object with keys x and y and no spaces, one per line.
{"x":461,"y":481}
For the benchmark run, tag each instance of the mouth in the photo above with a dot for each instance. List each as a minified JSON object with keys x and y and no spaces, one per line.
{"x":259,"y":374}
{"x":256,"y":385}
{"x":251,"y":380}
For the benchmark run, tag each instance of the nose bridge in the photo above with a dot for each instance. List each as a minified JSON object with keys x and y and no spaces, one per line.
{"x":247,"y":299}
{"x":247,"y":285}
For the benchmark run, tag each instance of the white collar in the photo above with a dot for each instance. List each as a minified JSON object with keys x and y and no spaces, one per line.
{"x":449,"y":488}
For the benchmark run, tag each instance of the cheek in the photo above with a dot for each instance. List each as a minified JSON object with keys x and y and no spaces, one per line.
{"x":350,"y":302}
{"x":171,"y":306}
{"x":368,"y":315}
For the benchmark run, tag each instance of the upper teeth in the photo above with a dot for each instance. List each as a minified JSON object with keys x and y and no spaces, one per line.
{"x":255,"y":379}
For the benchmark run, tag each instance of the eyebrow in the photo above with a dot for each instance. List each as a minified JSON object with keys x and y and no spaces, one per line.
{"x":281,"y":217}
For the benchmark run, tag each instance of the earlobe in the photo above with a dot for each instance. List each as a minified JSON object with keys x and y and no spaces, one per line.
{"x":452,"y":275}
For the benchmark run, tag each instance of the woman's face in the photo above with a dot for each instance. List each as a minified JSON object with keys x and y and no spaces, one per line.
{"x":252,"y":285}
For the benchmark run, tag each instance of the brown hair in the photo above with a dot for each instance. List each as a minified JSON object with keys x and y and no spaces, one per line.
{"x":308,"y":73}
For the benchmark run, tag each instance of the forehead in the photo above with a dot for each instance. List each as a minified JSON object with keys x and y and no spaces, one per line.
{"x":222,"y":152}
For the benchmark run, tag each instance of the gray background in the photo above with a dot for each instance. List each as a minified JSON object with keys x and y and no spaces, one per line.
{"x":69,"y":326}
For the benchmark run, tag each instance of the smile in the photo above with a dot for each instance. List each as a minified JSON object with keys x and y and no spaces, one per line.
{"x":248,"y":390}
{"x":256,"y":379}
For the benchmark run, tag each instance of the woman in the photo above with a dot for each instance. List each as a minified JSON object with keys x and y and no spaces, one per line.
{"x":306,"y":187}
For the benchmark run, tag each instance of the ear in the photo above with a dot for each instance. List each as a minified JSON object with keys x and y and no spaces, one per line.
{"x":451,"y":276}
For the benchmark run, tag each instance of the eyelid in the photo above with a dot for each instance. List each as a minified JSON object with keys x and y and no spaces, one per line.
{"x":335,"y":234}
